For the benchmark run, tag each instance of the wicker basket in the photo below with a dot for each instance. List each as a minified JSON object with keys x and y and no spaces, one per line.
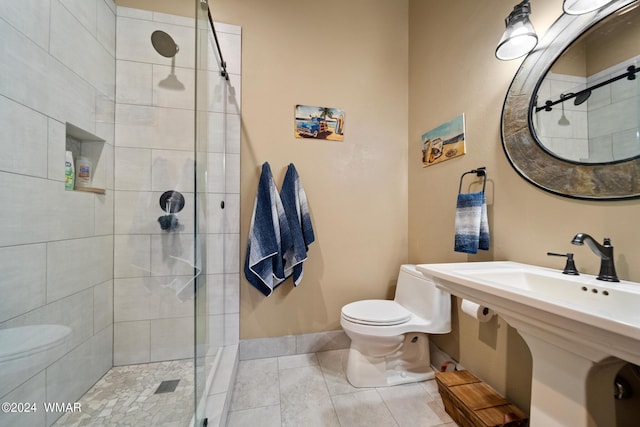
{"x":472,"y":403}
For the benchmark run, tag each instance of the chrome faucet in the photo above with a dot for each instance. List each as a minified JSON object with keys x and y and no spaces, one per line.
{"x":604,"y":251}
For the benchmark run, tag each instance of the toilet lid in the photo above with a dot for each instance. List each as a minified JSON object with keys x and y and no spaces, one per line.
{"x":376,"y":312}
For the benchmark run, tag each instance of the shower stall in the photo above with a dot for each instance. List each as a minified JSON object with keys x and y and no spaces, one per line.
{"x":120,"y":293}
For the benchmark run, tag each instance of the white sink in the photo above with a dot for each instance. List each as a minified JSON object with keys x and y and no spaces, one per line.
{"x":579,"y":330}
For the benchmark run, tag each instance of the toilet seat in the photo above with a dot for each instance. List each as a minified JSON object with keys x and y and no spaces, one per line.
{"x":376,"y":313}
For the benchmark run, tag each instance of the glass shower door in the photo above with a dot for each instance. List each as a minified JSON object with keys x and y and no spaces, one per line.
{"x":202,"y":347}
{"x":217,"y":230}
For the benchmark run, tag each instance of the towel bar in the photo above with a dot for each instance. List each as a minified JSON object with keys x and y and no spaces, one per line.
{"x":481,"y":171}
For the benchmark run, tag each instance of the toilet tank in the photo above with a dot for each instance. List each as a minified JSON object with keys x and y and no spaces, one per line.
{"x":419,"y":295}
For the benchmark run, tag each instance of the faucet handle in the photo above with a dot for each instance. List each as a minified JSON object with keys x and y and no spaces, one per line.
{"x":570,"y":266}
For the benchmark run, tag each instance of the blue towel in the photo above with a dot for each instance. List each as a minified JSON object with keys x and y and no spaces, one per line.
{"x":294,"y":200}
{"x":472,"y":226}
{"x":268,"y":234}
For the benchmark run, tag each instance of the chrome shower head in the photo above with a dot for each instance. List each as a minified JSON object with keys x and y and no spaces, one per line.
{"x":163,"y":44}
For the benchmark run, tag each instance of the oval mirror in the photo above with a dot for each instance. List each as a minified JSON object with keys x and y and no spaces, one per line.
{"x":570,"y":122}
{"x":586,"y":107}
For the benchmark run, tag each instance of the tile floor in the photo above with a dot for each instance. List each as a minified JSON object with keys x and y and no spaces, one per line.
{"x":300,"y":390}
{"x":125,"y":396}
{"x":312,"y":390}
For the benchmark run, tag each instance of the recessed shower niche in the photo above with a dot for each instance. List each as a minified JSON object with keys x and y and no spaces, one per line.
{"x":85,"y":145}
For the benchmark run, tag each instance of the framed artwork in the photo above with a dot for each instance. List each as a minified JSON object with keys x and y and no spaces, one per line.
{"x":319,"y":123}
{"x":444,"y":142}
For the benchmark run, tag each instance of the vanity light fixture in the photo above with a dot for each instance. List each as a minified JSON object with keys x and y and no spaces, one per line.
{"x":578,"y":7}
{"x":520,"y":37}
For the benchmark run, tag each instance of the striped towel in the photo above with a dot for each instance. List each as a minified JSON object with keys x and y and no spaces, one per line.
{"x":472,"y":226}
{"x":294,"y":200}
{"x":268,"y":234}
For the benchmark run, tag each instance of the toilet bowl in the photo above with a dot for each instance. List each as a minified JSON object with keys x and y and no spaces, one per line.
{"x":389,"y":338}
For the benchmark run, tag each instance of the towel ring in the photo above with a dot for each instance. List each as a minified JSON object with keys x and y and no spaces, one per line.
{"x":481,"y":171}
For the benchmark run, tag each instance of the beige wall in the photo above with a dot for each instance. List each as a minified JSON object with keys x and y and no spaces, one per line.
{"x":352,"y":56}
{"x":349,"y":55}
{"x":614,"y":45}
{"x":462,"y":75}
{"x":603,"y":48}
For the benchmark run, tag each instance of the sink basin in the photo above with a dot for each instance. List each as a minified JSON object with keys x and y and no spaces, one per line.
{"x":579,"y":329}
{"x":576,"y":304}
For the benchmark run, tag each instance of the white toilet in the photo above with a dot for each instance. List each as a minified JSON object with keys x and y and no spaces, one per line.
{"x":389,"y":341}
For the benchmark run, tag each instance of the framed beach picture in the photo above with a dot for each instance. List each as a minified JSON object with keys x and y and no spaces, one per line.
{"x":319,"y":123}
{"x":444,"y":142}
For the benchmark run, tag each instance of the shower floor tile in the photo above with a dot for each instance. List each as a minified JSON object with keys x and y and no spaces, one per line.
{"x":125,"y":396}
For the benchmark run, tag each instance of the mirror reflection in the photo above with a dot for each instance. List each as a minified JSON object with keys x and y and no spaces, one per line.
{"x":587,"y":107}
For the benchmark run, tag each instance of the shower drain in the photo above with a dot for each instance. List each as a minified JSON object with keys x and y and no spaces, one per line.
{"x":167,"y":386}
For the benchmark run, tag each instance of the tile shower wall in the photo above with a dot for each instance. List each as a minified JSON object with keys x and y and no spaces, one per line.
{"x":613,"y":115}
{"x":602,"y":128}
{"x":153,"y":308}
{"x":570,"y":142}
{"x":154,"y":153}
{"x":56,"y":248}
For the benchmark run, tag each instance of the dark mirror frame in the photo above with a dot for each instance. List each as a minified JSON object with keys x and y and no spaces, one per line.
{"x":607,"y":181}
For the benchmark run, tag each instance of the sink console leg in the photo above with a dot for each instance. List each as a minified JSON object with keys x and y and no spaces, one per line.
{"x":568,"y":389}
